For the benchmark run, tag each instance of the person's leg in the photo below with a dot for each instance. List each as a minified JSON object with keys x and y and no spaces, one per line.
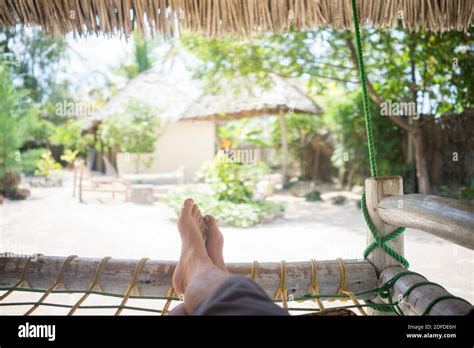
{"x":178,"y":310}
{"x":215,"y":250}
{"x":209,"y":289}
{"x":195,"y":275}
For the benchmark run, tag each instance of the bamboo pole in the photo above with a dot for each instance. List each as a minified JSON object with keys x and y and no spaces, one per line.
{"x":81,"y":177}
{"x":155,"y":278}
{"x":420,"y":297}
{"x":446,"y":218}
{"x":75,"y":181}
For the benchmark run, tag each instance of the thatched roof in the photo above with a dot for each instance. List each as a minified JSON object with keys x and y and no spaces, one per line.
{"x":285,"y":95}
{"x":168,"y":96}
{"x":180,"y":98}
{"x":215,"y":17}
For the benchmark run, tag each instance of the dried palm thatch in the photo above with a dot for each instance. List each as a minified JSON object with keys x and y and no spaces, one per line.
{"x":243,"y":17}
{"x":285,"y":95}
{"x":184,"y":99}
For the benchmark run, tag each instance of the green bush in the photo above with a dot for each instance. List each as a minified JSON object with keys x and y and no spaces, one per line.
{"x":47,"y":164}
{"x":69,"y":156}
{"x":338,"y":200}
{"x":231,"y":181}
{"x":229,"y":213}
{"x":135,"y":130}
{"x":313,"y":196}
{"x":18,"y":117}
{"x":30,"y":159}
{"x":344,"y":117}
{"x":69,"y":134}
{"x":465,"y":193}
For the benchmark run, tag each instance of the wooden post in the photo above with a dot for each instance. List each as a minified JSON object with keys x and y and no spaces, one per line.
{"x":75,"y":181}
{"x":81,"y":174}
{"x":375,"y":190}
{"x":284,"y":146}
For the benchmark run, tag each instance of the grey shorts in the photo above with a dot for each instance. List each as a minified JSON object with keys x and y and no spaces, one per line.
{"x":238,"y":295}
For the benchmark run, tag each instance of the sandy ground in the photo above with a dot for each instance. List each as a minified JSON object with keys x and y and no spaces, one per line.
{"x":52,"y":222}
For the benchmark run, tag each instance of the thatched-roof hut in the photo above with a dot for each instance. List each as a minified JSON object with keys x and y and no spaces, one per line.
{"x":285,"y":95}
{"x":184,"y":99}
{"x":192,"y":114}
{"x":215,"y":17}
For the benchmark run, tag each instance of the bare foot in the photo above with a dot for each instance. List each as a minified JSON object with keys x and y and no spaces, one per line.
{"x":215,"y":242}
{"x":193,"y":250}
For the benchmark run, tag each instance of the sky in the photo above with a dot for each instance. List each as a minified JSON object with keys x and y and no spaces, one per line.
{"x":92,"y":58}
{"x":99,"y":51}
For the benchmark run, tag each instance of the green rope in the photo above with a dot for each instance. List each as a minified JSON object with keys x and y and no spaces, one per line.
{"x":46,"y":304}
{"x":367,"y":305}
{"x":378,"y":241}
{"x":91,"y":292}
{"x":372,"y":154}
{"x":439,"y":299}
{"x":384,"y":291}
{"x":389,"y":283}
{"x":414,"y":286}
{"x":365,"y":94}
{"x":380,"y":307}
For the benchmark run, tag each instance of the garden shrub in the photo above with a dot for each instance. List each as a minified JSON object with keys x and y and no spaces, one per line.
{"x":227,"y":212}
{"x":29,"y":160}
{"x":232,"y":181}
{"x":338,"y":200}
{"x":47,"y":164}
{"x":313,"y":196}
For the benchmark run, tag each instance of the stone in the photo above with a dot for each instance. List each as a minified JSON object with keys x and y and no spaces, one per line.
{"x":140,"y":194}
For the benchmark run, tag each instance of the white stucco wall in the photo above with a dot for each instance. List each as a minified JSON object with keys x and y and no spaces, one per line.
{"x":183,"y":144}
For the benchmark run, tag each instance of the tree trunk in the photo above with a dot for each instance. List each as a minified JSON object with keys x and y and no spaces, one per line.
{"x":421,"y":166}
{"x":411,"y":160}
{"x":317,"y":156}
{"x":350,"y":178}
{"x":284,"y":146}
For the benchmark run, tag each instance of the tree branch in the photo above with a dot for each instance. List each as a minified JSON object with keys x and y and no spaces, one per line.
{"x":289,"y":76}
{"x":375,"y":96}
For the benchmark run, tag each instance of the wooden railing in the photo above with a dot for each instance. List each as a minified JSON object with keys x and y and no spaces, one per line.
{"x":446,"y":218}
{"x":421,"y":296}
{"x":155,"y":277}
{"x":389,"y":209}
